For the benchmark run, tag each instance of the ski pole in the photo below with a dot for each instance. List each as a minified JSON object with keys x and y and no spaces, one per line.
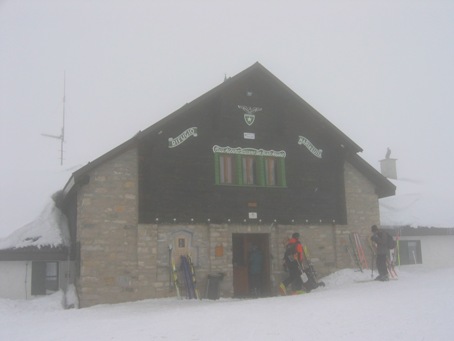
{"x":372,"y":265}
{"x":170,"y":266}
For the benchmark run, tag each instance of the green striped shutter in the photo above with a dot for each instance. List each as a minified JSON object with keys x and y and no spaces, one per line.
{"x":217,"y":171}
{"x":282,"y":180}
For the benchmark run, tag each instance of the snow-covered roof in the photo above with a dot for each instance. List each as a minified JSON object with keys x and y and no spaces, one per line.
{"x":49,"y":229}
{"x":416,"y":205}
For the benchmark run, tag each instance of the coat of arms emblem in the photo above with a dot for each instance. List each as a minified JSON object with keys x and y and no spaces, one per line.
{"x":249,"y":112}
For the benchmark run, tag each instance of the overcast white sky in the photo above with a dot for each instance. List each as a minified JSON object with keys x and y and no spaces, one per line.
{"x":381,"y":71}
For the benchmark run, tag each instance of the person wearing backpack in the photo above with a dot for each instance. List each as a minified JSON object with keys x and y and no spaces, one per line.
{"x":380,"y":239}
{"x":293,"y":258}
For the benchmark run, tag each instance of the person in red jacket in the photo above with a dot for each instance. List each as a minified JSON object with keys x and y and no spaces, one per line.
{"x":293,"y":259}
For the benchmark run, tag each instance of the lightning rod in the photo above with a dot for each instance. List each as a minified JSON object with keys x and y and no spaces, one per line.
{"x":61,"y":137}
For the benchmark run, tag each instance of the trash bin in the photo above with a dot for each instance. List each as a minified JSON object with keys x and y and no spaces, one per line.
{"x":213,"y":282}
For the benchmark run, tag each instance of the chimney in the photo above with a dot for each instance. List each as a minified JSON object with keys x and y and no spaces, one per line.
{"x":388,"y":166}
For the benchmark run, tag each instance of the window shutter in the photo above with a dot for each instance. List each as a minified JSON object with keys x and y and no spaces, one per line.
{"x":216,"y":169}
{"x":261,"y":167}
{"x":38,"y":278}
{"x":281,"y":175}
{"x":239,"y":170}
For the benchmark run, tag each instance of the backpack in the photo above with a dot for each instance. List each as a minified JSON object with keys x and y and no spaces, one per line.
{"x":290,"y":250}
{"x":390,"y":242}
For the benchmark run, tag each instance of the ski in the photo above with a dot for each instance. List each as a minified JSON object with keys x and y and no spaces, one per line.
{"x":282,"y":289}
{"x":187,"y":278}
{"x":174,"y":273}
{"x":354,"y":252}
{"x":373,"y":280}
{"x":310,"y":280}
{"x":193,"y":278}
{"x":390,"y":266}
{"x":359,"y":250}
{"x":176,"y":282}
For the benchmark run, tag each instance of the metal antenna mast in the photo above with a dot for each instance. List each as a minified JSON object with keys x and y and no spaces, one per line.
{"x":61,"y":137}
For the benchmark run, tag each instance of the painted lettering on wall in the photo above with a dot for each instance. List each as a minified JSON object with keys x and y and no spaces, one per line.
{"x":248,"y":151}
{"x":174,"y":142}
{"x":304,"y":141}
{"x":249,"y":112}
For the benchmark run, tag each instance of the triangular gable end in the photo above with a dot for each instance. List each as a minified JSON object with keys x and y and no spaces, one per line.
{"x":256,"y":71}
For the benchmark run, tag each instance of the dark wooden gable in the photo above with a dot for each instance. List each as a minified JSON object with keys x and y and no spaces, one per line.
{"x":181,"y":184}
{"x":179,"y":178}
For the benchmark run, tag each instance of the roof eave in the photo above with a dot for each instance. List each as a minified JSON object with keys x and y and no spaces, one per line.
{"x":33,"y":253}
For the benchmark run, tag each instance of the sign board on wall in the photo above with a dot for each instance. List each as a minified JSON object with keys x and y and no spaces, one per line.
{"x":174,"y":142}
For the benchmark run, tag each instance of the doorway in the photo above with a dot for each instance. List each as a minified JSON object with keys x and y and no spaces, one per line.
{"x":242,"y":245}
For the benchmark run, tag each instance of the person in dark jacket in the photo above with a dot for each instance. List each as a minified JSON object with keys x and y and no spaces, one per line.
{"x":255,"y":271}
{"x":379,"y":238}
{"x":293,"y":262}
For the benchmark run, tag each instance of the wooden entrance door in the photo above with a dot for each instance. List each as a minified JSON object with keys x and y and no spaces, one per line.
{"x":242,"y":245}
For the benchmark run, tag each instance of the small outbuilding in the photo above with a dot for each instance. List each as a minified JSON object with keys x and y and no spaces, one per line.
{"x":36,"y":260}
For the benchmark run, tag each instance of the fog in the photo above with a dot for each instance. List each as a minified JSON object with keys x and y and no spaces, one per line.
{"x":381,"y":71}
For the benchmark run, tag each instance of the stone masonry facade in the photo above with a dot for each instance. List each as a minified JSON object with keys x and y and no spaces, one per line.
{"x":121,"y":260}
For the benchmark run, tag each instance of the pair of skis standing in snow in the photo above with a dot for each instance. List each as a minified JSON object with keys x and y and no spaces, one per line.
{"x":302,"y":275}
{"x":189,"y":279}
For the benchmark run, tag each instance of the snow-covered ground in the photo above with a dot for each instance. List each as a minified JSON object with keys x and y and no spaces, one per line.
{"x":417,"y":306}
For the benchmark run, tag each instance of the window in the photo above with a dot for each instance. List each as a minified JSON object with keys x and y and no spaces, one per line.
{"x":44,"y":278}
{"x":249,"y":167}
{"x":248,"y":163}
{"x":270,"y":171}
{"x":226,"y":169}
{"x":410,"y":252}
{"x":52,"y":276}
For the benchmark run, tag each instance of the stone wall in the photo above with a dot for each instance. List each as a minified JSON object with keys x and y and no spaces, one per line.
{"x":204,"y":238}
{"x":362,"y":212}
{"x":121,"y":260}
{"x":107,"y":232}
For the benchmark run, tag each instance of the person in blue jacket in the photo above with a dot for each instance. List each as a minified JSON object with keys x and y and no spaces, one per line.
{"x":255,"y":271}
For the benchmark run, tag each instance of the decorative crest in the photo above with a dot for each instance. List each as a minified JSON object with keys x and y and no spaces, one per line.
{"x":249,"y":112}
